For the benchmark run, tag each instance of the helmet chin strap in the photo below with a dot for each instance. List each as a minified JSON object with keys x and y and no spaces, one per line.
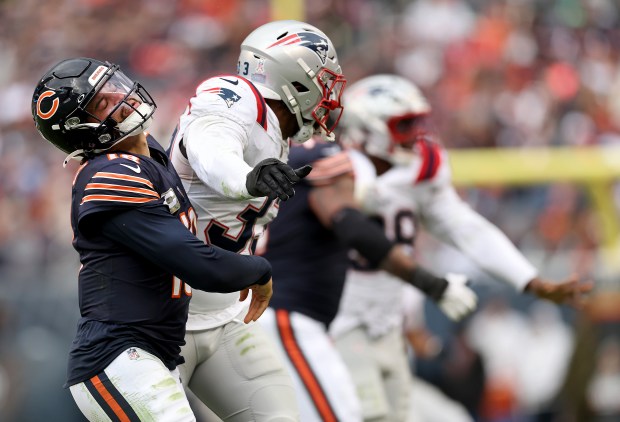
{"x":75,"y":155}
{"x":324,"y":136}
{"x":304,"y":133}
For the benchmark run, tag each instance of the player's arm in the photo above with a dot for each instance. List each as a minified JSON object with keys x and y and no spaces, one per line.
{"x":452,"y":220}
{"x":215,"y":145}
{"x":424,"y":343}
{"x":334,"y":205}
{"x":158,"y":236}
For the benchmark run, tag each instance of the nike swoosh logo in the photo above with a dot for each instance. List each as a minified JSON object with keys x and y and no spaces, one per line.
{"x":135,"y":169}
{"x":235,"y":82}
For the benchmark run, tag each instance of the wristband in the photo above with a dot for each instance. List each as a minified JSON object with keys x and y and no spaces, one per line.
{"x":428,"y":283}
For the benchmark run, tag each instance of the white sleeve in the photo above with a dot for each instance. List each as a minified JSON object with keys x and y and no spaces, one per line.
{"x":413,"y":308}
{"x":449,"y":218}
{"x":365,"y":174}
{"x":215,"y":145}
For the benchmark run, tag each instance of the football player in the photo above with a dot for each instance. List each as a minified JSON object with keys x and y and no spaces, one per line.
{"x":230,"y":149}
{"x":307,"y":246}
{"x":404,"y":179}
{"x":134,"y":229}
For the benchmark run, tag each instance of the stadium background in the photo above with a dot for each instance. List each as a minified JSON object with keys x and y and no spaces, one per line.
{"x":538,"y":80}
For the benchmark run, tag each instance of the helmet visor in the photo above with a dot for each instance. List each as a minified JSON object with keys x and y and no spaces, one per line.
{"x":406,"y":129}
{"x":116,"y":98}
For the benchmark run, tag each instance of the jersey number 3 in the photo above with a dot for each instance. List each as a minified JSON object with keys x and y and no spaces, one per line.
{"x":217,"y":234}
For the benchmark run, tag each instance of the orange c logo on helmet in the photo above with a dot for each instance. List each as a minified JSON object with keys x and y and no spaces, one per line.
{"x":46,"y":115}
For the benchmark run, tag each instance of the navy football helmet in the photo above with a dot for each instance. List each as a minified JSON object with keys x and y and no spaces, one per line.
{"x":65,"y":115}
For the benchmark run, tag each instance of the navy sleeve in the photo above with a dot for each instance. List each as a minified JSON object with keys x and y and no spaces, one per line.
{"x":155,"y":234}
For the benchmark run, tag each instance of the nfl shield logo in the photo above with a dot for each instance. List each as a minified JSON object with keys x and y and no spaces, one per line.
{"x":133,"y":353}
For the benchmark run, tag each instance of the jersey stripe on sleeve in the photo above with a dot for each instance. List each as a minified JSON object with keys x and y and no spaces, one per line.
{"x":116,"y":187}
{"x":431,"y":158}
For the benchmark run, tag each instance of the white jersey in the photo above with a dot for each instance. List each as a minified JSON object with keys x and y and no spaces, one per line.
{"x":225,"y":131}
{"x":403,"y":198}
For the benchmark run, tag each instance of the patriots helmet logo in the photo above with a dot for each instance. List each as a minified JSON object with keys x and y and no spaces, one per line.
{"x":380,"y":90}
{"x":229,"y":96}
{"x":310,"y":40}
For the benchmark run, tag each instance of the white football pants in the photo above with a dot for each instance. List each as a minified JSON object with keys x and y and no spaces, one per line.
{"x":237,"y":372}
{"x":325,"y":391}
{"x":381,"y":372}
{"x":135,"y":387}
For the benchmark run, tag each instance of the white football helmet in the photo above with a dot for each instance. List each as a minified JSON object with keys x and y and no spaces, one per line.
{"x":385,"y":116}
{"x":296,"y":63}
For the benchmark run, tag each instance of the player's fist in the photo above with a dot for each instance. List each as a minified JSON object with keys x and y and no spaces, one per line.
{"x":274,"y":179}
{"x":458,"y":300}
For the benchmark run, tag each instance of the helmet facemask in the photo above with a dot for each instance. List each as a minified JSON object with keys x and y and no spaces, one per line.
{"x":324,"y":117}
{"x":118,"y":109}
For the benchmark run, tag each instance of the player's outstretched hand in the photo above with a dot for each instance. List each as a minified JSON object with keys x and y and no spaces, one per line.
{"x":261,"y":294}
{"x":569,"y":292}
{"x":458,"y":300}
{"x":274,"y":179}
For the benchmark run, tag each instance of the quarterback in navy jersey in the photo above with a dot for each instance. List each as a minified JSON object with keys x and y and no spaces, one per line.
{"x":307,"y":246}
{"x":134,"y":229}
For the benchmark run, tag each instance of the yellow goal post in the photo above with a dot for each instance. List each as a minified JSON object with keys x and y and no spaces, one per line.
{"x":596,"y":168}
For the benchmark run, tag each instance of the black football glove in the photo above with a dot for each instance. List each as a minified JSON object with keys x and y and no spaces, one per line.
{"x":274,"y":179}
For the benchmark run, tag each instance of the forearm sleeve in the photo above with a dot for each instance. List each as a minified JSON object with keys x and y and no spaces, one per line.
{"x":429,"y":284}
{"x":161,"y":238}
{"x":357,"y":231}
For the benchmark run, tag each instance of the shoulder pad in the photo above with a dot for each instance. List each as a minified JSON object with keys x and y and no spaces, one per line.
{"x":231,"y":94}
{"x":118,"y":178}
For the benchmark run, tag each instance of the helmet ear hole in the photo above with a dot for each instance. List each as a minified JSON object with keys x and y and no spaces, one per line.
{"x":300,"y":87}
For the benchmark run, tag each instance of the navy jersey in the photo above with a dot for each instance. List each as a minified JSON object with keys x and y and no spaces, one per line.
{"x":309,"y":263}
{"x":124,"y":298}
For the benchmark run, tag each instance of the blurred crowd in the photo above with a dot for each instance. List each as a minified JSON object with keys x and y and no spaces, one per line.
{"x":498,"y":73}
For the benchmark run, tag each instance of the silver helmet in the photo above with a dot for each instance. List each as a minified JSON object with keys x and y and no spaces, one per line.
{"x":296,"y":63}
{"x":385,"y":116}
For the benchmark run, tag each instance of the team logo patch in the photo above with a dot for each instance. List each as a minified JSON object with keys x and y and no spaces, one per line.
{"x":171,"y":200}
{"x":229,"y":96}
{"x":133,"y":354}
{"x":51,"y":108}
{"x":310,"y":40}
